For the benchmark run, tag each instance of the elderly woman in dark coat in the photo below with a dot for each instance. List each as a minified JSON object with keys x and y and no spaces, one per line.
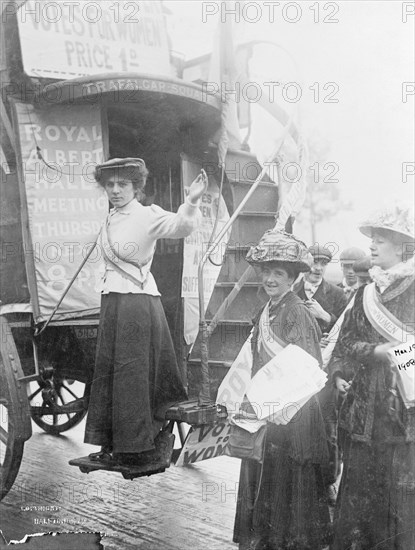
{"x":136,"y":374}
{"x":376,"y":503}
{"x":281,"y":503}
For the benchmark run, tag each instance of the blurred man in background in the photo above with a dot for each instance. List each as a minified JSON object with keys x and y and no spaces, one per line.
{"x":348,"y":257}
{"x":361,"y":268}
{"x":324,"y":300}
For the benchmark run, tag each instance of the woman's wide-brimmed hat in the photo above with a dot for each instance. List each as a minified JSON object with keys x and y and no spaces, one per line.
{"x":279,"y":246}
{"x":134,"y":167}
{"x":396,"y":218}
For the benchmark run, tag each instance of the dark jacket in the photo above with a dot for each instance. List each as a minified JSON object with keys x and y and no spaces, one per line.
{"x":349,"y":295}
{"x":280,"y":502}
{"x":367,"y":402}
{"x":331,"y":298}
{"x":377,"y":500}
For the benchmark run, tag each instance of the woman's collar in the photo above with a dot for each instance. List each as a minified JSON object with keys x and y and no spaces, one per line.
{"x":127,"y":208}
{"x":274,"y":303}
{"x":385,"y":277}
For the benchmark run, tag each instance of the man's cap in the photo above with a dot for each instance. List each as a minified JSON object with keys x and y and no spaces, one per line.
{"x":361,"y":267}
{"x":279,"y":246}
{"x":320,"y":252}
{"x":352,"y":254}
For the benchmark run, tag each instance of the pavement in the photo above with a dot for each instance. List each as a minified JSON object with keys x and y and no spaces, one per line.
{"x":184,"y":508}
{"x":191,"y":507}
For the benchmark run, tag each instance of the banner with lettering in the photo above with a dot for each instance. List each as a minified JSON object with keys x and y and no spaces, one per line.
{"x":72,"y":39}
{"x":204,"y":442}
{"x":195,"y":245}
{"x":62,"y":204}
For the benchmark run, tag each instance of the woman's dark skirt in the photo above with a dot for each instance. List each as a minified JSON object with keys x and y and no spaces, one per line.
{"x":376,"y":503}
{"x":281,"y":504}
{"x":136,"y":374}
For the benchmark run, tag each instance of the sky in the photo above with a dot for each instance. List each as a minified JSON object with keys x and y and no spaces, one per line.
{"x":369,"y":56}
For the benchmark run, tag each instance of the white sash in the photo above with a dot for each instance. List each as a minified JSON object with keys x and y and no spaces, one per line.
{"x":271,"y":343}
{"x":136,"y":273}
{"x":235,"y":385}
{"x":333,"y":336}
{"x":382,"y":319}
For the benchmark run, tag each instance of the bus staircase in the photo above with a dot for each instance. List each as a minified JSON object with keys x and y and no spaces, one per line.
{"x":237,"y":295}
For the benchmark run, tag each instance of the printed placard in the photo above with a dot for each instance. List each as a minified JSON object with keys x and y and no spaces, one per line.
{"x":93,"y":38}
{"x":204,"y":442}
{"x":60,"y":148}
{"x":403,"y":358}
{"x":195,"y":246}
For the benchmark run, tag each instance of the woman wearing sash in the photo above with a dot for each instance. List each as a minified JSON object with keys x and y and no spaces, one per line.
{"x":281,"y":502}
{"x":136,"y":374}
{"x":376,"y":502}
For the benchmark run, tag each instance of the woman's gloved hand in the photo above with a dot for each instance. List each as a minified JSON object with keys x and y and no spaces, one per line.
{"x":198,"y":187}
{"x":342,"y":385}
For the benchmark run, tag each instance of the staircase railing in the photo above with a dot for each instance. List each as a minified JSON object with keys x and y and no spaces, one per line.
{"x":205,"y":331}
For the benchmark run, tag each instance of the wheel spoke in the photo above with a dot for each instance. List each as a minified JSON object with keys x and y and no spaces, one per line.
{"x":34,"y":394}
{"x":58,"y":393}
{"x":53,"y":393}
{"x":69,"y":391}
{"x":63,"y":401}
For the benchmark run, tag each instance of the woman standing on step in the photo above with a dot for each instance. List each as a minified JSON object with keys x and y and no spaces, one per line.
{"x":376,"y":502}
{"x":281,"y":502}
{"x":136,"y":374}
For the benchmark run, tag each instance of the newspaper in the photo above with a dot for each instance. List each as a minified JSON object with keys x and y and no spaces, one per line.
{"x":285,"y":384}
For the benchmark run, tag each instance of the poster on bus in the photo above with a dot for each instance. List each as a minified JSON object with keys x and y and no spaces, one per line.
{"x":92,"y":38}
{"x":214,"y":212}
{"x":62,"y":203}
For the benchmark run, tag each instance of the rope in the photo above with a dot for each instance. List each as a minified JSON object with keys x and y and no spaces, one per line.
{"x":212,"y":235}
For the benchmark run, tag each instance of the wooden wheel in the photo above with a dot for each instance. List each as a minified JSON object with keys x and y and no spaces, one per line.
{"x":11,"y":449}
{"x":57,"y":403}
{"x":59,"y":396}
{"x":15,"y":426}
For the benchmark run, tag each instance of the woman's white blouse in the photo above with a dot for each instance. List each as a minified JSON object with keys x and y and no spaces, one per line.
{"x":133,"y":231}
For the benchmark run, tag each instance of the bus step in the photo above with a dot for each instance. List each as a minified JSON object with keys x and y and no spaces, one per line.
{"x":149,"y":463}
{"x":86,"y":465}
